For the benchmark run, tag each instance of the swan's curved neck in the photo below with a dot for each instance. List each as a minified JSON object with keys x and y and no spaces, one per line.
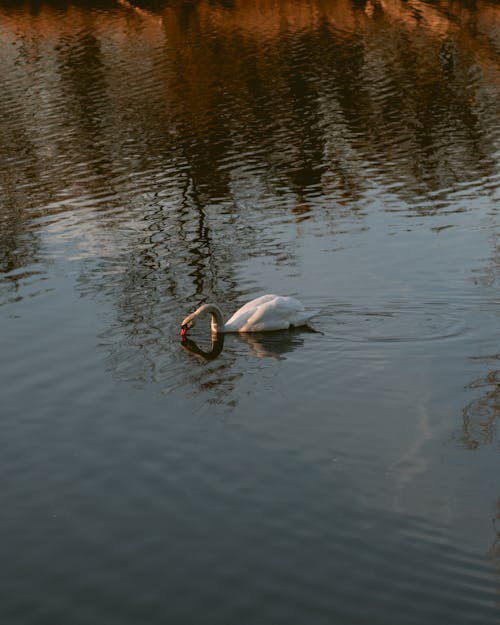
{"x":217,"y":316}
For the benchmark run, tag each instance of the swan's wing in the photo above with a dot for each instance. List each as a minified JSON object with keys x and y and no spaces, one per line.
{"x":253,"y":304}
{"x":242,"y":315}
{"x":276,"y":313}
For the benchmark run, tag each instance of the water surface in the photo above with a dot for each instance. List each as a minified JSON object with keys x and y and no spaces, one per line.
{"x":158,"y":155}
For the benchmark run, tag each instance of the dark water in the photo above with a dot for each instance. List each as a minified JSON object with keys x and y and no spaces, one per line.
{"x":159,"y":155}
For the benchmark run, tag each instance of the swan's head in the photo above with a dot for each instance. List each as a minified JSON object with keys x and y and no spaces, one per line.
{"x":212,"y":309}
{"x":187,"y":324}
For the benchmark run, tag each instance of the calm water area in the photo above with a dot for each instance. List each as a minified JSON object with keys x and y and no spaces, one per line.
{"x":155,"y":156}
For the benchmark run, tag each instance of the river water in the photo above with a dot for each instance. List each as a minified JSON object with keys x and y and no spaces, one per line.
{"x":158,"y":155}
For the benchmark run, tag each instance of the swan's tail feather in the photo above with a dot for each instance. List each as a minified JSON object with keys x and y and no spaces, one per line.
{"x":305,"y":320}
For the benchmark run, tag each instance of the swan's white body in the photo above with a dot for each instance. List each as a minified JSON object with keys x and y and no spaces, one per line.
{"x":264,"y":314}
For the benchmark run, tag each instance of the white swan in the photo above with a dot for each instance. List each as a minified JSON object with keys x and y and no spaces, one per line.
{"x":264,"y":314}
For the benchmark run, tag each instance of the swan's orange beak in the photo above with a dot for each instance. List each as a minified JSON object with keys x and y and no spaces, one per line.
{"x":184,"y":331}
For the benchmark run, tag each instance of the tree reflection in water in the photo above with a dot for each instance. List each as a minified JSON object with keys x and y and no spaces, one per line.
{"x":480,"y":417}
{"x":176,"y":142}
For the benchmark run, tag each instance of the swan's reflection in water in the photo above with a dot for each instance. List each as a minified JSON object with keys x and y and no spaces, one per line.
{"x":260,"y":344}
{"x":216,"y":378}
{"x":272,"y":344}
{"x":216,"y":347}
